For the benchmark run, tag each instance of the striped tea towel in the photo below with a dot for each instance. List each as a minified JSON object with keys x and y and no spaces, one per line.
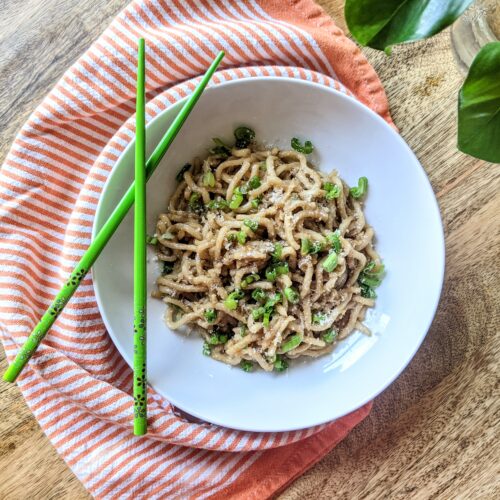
{"x":77,"y":385}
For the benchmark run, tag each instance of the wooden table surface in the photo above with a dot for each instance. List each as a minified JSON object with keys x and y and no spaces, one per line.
{"x":434,"y":432}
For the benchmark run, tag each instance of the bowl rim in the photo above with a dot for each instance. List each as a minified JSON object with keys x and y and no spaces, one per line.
{"x":439,"y":254}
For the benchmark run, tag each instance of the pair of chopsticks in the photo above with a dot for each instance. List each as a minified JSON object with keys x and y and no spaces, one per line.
{"x":143,"y":171}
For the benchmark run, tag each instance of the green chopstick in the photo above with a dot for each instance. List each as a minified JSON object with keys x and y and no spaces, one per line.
{"x":103,"y":236}
{"x":140,"y":287}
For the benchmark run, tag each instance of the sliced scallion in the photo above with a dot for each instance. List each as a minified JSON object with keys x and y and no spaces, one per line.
{"x":232,"y":299}
{"x":210,"y":315}
{"x":329,"y":336}
{"x":291,"y":295}
{"x":236,"y":199}
{"x":256,"y":202}
{"x":334,"y":240}
{"x":360,"y":190}
{"x":252,"y":224}
{"x":330,"y":263}
{"x":291,"y":343}
{"x":254,"y":182}
{"x":246,"y":366}
{"x":208,"y":179}
{"x":306,"y":149}
{"x":244,"y":136}
{"x":280,"y":364}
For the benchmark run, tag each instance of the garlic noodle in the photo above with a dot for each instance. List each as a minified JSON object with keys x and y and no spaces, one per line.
{"x":266,"y":257}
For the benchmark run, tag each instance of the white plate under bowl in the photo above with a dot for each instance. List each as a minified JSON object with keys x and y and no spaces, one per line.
{"x":400,"y":206}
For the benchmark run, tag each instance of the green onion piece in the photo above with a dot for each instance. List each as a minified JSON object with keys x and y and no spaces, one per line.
{"x":334,"y":240}
{"x":207,"y":349}
{"x":252,"y":224}
{"x":248,"y":280}
{"x":258,"y":313}
{"x":236,"y":200}
{"x":368,"y":292}
{"x":217,"y":338}
{"x":254,"y":182}
{"x":276,"y":269}
{"x":332,"y":190}
{"x":371,"y":275}
{"x":330,"y":263}
{"x":246,"y":366}
{"x":316,"y":247}
{"x":278,"y":250}
{"x":241,"y":236}
{"x":269,"y":307}
{"x":305,"y":246}
{"x":244,"y":136}
{"x":220,"y":148}
{"x":291,"y":343}
{"x":280,"y":364}
{"x":329,"y":336}
{"x":151,"y":240}
{"x":195,"y":203}
{"x":209,"y":179}
{"x":291,"y":295}
{"x":318,"y":318}
{"x":360,"y":190}
{"x":218,"y":204}
{"x":243,"y":329}
{"x":282,"y":268}
{"x":168,"y":267}
{"x":334,"y":193}
{"x":372,"y":281}
{"x":180,"y":175}
{"x":273,"y":300}
{"x":307,"y":148}
{"x":256,"y":202}
{"x":271,"y":274}
{"x":210,"y":315}
{"x":267,"y":310}
{"x":369,"y":278}
{"x":231,"y":301}
{"x":267,"y":317}
{"x":259,"y":295}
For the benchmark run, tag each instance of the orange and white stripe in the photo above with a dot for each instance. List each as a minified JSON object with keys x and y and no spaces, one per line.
{"x":77,"y":385}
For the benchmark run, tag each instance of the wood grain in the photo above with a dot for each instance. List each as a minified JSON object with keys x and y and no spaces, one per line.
{"x":434,"y":432}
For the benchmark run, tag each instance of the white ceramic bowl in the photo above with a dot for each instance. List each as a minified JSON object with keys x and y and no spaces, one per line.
{"x":400,"y":206}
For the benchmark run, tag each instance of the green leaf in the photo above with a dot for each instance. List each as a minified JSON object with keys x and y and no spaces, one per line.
{"x":479,"y":106}
{"x":383,"y":23}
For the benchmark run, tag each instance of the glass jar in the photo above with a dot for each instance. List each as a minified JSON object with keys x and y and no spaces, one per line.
{"x":477,"y":26}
